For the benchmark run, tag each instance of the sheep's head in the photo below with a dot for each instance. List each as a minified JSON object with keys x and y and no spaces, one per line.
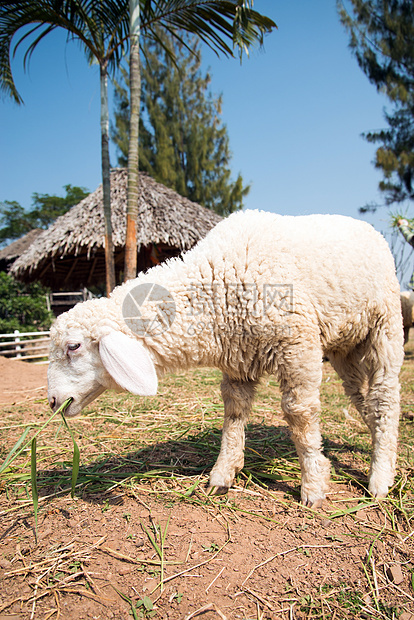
{"x":75,"y":370}
{"x":82,"y":364}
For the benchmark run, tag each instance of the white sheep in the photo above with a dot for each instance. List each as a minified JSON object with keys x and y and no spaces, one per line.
{"x":261,"y":294}
{"x":407,"y":308}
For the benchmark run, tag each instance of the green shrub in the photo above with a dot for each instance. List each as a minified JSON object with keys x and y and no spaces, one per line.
{"x":22,"y":306}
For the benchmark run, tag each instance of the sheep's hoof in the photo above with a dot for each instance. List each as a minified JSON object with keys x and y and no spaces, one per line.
{"x":315,"y":504}
{"x":378,"y":489}
{"x":220,"y":480}
{"x":380,"y":495}
{"x":213,"y":490}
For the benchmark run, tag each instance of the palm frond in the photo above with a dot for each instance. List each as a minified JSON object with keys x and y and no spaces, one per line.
{"x":102,"y":28}
{"x":215,"y":22}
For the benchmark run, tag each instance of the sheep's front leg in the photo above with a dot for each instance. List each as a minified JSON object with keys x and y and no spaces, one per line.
{"x":238,"y":397}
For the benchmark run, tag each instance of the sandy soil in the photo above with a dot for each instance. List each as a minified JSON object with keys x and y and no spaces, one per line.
{"x":221,"y":560}
{"x":21,"y":381}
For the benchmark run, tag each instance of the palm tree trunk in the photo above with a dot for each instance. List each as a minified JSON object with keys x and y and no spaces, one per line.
{"x":106,"y":182}
{"x":130,"y":270}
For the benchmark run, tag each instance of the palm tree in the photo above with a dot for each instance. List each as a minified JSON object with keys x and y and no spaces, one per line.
{"x":215,"y":22}
{"x":130,"y":266}
{"x":102,"y":28}
{"x":106,"y":29}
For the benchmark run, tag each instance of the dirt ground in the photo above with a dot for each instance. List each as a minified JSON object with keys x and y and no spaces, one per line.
{"x":96,"y":555}
{"x":21,"y":382}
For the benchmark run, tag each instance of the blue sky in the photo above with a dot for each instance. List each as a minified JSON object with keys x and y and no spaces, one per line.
{"x":294,"y":112}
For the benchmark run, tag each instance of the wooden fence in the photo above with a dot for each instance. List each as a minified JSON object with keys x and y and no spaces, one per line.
{"x":34,"y":346}
{"x":26,"y":346}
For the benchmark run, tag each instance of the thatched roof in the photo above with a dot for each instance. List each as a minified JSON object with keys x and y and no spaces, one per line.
{"x":16,"y":248}
{"x":70,"y":253}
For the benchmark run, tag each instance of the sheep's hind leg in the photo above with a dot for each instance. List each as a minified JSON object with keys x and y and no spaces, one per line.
{"x":300,"y":383}
{"x":382,"y":418}
{"x":238,"y":397}
{"x":381,"y":412}
{"x":370,"y":377}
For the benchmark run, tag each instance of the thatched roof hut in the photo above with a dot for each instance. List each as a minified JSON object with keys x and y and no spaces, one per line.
{"x":15,"y":249}
{"x":70,"y":254}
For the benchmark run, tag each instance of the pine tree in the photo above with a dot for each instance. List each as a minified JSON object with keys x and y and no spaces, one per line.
{"x":381,"y":37}
{"x":183,"y":143}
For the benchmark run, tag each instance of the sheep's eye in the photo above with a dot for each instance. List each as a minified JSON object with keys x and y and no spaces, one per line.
{"x":73,"y":347}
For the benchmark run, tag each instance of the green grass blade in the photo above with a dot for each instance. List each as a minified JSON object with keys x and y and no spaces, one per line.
{"x":164,"y":533}
{"x":127,"y":600}
{"x":348,"y":511}
{"x":371,"y":549}
{"x":189,"y":492}
{"x":15,"y":451}
{"x":76,"y":456}
{"x":163,"y":536}
{"x":33,"y":477}
{"x":15,"y":448}
{"x":152,"y":540}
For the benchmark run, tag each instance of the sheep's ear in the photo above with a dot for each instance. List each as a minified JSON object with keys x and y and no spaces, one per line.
{"x":129,"y":364}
